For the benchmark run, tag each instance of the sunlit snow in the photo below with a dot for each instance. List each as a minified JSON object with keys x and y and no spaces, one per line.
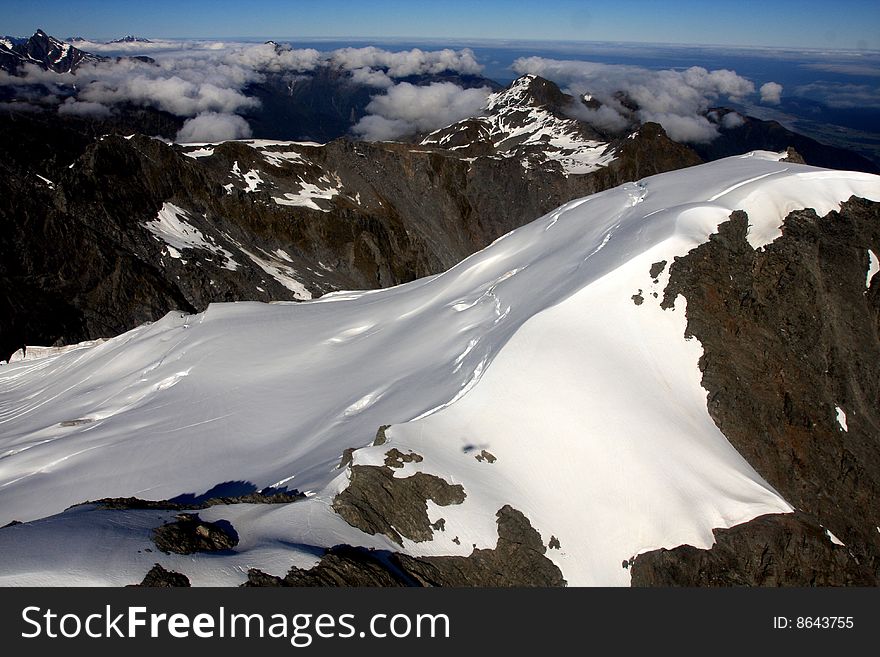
{"x":532,"y":349}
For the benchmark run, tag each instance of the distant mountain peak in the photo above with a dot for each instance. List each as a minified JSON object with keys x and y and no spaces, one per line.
{"x":44,"y":51}
{"x":130,"y":38}
{"x":529,"y":121}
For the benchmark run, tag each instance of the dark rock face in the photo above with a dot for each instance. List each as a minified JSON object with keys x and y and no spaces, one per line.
{"x":648,"y":153}
{"x":257,"y":497}
{"x":755,"y":134}
{"x":342,"y":565}
{"x":189,"y":534}
{"x":772,"y":550}
{"x":518,"y":559}
{"x":377,"y":502}
{"x":158,"y":577}
{"x":790,"y":333}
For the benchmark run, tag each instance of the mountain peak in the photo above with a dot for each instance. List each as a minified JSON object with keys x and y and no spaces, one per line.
{"x":44,"y":51}
{"x":130,"y":38}
{"x":529,"y":90}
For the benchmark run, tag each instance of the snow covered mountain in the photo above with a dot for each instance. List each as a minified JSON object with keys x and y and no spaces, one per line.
{"x":43,"y":51}
{"x":535,"y":414}
{"x":130,"y":38}
{"x":527,"y":122}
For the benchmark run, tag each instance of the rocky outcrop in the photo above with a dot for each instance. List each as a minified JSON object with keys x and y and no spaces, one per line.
{"x":518,"y":559}
{"x":377,"y":502}
{"x":755,"y":134}
{"x":342,"y":565}
{"x":158,"y":577}
{"x":256,"y":497}
{"x":772,"y":550}
{"x":791,"y":340}
{"x":189,"y":534}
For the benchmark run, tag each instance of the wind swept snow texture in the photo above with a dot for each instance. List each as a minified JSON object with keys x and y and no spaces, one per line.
{"x":597,"y":421}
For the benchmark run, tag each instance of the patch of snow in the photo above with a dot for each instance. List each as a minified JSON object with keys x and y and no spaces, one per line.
{"x":171,"y":228}
{"x":832,"y":537}
{"x":278,"y":159}
{"x":199,"y":152}
{"x":48,"y":182}
{"x":841,"y":418}
{"x":873,"y":267}
{"x":252,"y":179}
{"x":308,"y":192}
{"x":281,"y":273}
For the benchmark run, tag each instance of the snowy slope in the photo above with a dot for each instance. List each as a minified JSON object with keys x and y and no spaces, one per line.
{"x":532,"y":349}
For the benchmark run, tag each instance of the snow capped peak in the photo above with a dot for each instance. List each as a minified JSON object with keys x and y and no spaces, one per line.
{"x":130,"y":38}
{"x":503,"y":347}
{"x":526,"y":121}
{"x":525,"y":90}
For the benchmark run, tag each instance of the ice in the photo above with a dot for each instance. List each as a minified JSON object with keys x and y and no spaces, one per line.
{"x":531,"y":349}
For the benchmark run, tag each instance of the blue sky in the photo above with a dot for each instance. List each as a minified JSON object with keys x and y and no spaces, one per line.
{"x":847,"y":24}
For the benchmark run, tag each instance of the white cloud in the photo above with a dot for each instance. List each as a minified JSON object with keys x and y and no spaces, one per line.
{"x":678,"y":100}
{"x":407,"y":62}
{"x":183,"y":87}
{"x":732,"y":120}
{"x":691,"y":129}
{"x":268,"y":57}
{"x":371,"y":78}
{"x":213,"y":127}
{"x":73,"y":107}
{"x":155,"y":46}
{"x":407,"y":109}
{"x":603,"y":117}
{"x":771,"y":93}
{"x":208,"y":78}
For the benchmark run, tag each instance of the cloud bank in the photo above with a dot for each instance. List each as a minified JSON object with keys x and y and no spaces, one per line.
{"x":206,"y":82}
{"x":408,"y":62}
{"x":677,"y":100}
{"x":408,"y":109}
